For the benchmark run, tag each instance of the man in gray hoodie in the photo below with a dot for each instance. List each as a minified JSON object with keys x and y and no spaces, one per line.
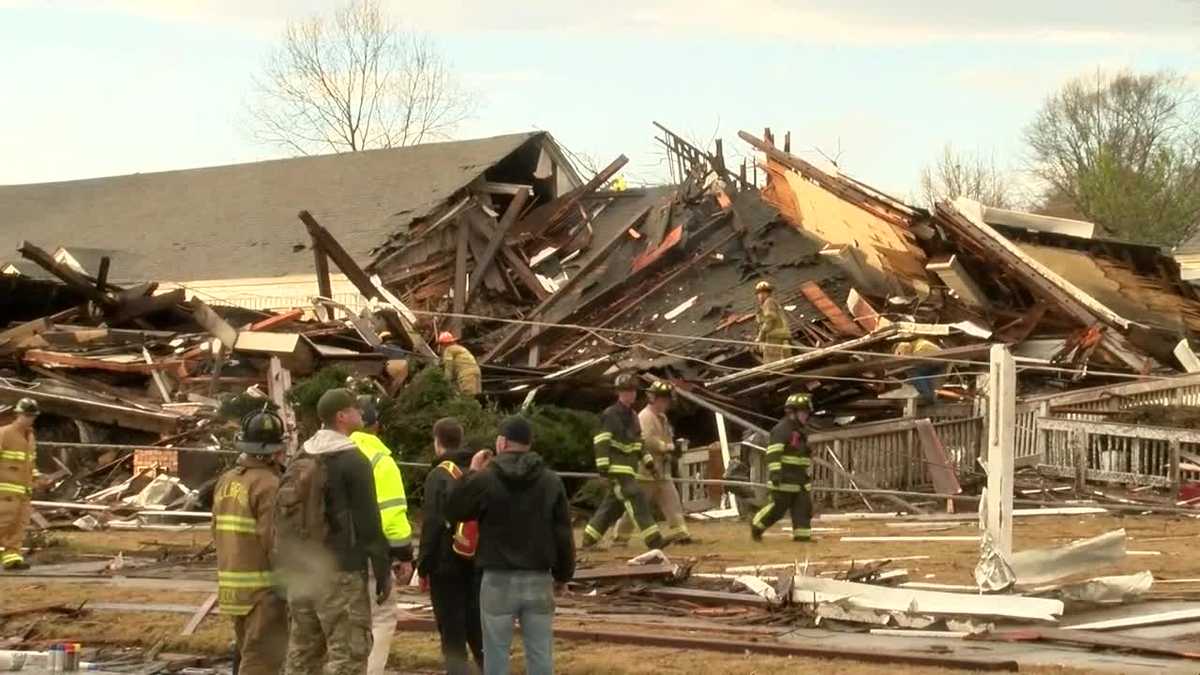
{"x":331,"y":622}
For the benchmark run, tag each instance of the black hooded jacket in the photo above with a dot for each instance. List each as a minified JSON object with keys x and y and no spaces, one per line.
{"x":524,"y":520}
{"x":437,"y":555}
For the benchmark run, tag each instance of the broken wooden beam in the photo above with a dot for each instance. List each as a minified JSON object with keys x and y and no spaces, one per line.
{"x":707,"y":597}
{"x":610,"y":572}
{"x":548,"y":215}
{"x":837,"y":318}
{"x":941,"y":469}
{"x":495,"y":242}
{"x":462,"y":245}
{"x":321,"y":265}
{"x":201,"y":612}
{"x":94,"y":411}
{"x":129,"y":310}
{"x":78,"y":282}
{"x":784,"y":365}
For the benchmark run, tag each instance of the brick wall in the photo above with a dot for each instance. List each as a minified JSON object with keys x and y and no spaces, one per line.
{"x":167,"y":460}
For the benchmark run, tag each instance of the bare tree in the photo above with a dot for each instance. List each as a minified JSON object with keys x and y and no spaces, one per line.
{"x":1124,"y":150}
{"x":962,"y":174}
{"x":354,"y":80}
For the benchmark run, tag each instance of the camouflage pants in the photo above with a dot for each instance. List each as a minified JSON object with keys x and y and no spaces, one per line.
{"x":330,"y":631}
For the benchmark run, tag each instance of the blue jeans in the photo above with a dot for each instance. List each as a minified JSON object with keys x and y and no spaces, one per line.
{"x":505,"y":595}
{"x":925,"y":381}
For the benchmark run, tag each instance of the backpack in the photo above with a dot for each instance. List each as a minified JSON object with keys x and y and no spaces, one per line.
{"x":301,"y":526}
{"x":466,"y":535}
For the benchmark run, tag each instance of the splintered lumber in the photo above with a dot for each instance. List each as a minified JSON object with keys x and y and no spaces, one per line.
{"x":1038,"y":566}
{"x":784,"y":365}
{"x":201,"y":612}
{"x":941,"y":468}
{"x":114,"y":364}
{"x":646,"y":638}
{"x":1154,"y":619}
{"x":496,"y":241}
{"x":461,"y":249}
{"x":933,"y":539}
{"x":708,"y":597}
{"x":816,"y":590}
{"x":660,"y":571}
{"x":547,"y":215}
{"x":94,"y":411}
{"x":78,"y":282}
{"x":1176,"y":648}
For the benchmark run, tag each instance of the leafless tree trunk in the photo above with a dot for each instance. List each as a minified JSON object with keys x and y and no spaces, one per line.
{"x":960,"y":174}
{"x":353,"y":80}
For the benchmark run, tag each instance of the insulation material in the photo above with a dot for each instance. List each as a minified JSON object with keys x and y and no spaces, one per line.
{"x":888,"y":250}
{"x":1039,"y":566}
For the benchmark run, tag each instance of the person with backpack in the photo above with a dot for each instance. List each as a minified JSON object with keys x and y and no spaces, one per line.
{"x":525,"y":545}
{"x":328,"y":532}
{"x":243,"y":531}
{"x":446,"y":564}
{"x":393,"y":513}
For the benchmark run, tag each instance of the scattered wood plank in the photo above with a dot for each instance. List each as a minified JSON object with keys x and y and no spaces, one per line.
{"x":837,"y":318}
{"x":660,"y":571}
{"x":932,"y":539}
{"x":941,"y":468}
{"x":1154,"y":619}
{"x":708,"y":597}
{"x":496,"y":241}
{"x":763,"y":647}
{"x":112,"y":364}
{"x":1175,"y":648}
{"x":784,"y":365}
{"x":201,"y":612}
{"x":94,"y":411}
{"x":43,"y":608}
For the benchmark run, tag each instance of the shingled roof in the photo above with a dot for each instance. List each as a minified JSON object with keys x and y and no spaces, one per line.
{"x":240,"y":220}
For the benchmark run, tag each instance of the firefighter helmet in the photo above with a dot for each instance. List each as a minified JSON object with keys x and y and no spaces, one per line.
{"x":661,"y":388}
{"x":446,"y":338}
{"x":763,"y":287}
{"x":625,"y":382}
{"x":261,"y":434}
{"x":369,"y":406}
{"x":799,"y":402}
{"x":28,"y":406}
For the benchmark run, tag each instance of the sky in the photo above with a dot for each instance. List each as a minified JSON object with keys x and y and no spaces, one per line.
{"x":106,"y":87}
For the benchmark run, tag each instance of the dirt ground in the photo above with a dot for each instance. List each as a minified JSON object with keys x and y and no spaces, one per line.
{"x":718,"y":545}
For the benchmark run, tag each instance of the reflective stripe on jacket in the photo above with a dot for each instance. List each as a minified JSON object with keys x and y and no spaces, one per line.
{"x":17,"y":454}
{"x":788,"y":456}
{"x":618,"y":446}
{"x":243,"y":528}
{"x":389,"y":492}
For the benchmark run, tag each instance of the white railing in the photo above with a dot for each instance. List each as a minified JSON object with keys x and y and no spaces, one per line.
{"x":1115,"y":453}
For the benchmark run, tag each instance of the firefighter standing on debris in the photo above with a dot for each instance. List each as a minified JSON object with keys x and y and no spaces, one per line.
{"x":925,"y":376}
{"x":619,"y":454}
{"x":243,"y":531}
{"x":18,"y":452}
{"x":788,"y":463}
{"x":393,"y":513}
{"x":459,"y":365}
{"x":658,"y":438}
{"x":774,"y":336}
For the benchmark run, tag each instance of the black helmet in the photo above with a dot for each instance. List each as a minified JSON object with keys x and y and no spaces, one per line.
{"x":261,"y":434}
{"x":28,"y":406}
{"x":799,"y":402}
{"x":369,"y":408}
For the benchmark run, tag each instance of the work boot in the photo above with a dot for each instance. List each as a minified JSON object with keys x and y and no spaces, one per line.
{"x":756,"y":534}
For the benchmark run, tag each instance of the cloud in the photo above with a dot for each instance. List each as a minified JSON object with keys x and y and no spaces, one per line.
{"x":877,"y":23}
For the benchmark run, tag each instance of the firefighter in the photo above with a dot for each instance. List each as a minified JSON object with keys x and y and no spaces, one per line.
{"x":243,"y":532}
{"x":774,"y":336}
{"x":459,"y":365}
{"x":393,"y":513}
{"x":658,"y":437}
{"x":18,"y":452}
{"x":925,"y":376}
{"x":788,"y":463}
{"x":619,"y":455}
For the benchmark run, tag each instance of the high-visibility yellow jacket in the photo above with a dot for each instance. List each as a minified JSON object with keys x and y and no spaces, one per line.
{"x":243,"y":529}
{"x":389,"y":492}
{"x":18,"y":452}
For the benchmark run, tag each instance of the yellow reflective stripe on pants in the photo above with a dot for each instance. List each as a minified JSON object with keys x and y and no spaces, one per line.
{"x":621,"y":469}
{"x":398,"y":502}
{"x":774,"y":448}
{"x":802,"y":533}
{"x":14,"y":455}
{"x":238,"y":524}
{"x":15,"y":488}
{"x":592,"y":533}
{"x":234,"y":610}
{"x":796,"y":461}
{"x":762,"y":513}
{"x":245,"y":579}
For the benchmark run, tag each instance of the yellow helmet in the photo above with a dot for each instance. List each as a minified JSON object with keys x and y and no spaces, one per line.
{"x":798,"y":402}
{"x":763,"y":287}
{"x":660,"y":388}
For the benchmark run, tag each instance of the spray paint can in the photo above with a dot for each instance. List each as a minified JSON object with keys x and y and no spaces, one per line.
{"x":56,"y":658}
{"x":71,"y":657}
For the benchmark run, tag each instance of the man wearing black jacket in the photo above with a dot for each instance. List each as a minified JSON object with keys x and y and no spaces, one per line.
{"x":330,"y":613}
{"x":525,"y":545}
{"x":451,"y":578}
